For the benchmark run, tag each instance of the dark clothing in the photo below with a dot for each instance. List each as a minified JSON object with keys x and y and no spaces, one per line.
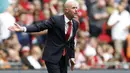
{"x":96,"y":10}
{"x":60,"y":67}
{"x":95,"y":31}
{"x":96,"y":24}
{"x":55,"y":41}
{"x":128,"y":6}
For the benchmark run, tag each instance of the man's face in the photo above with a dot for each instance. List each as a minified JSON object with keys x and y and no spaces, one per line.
{"x":120,"y":8}
{"x":101,"y":3}
{"x":72,"y":10}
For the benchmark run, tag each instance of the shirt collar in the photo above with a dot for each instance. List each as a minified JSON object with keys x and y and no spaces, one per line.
{"x":66,"y":19}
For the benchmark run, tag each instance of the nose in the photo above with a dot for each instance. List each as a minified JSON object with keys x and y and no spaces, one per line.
{"x":76,"y":10}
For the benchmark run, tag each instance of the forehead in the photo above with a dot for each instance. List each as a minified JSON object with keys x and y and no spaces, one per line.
{"x":74,"y":4}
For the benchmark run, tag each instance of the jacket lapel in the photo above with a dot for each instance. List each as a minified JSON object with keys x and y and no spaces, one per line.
{"x":74,"y":28}
{"x":62,"y":25}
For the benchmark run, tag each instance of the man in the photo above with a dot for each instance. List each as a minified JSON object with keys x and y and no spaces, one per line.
{"x":59,"y":47}
{"x":4,"y":17}
{"x":98,"y":16}
{"x":119,"y":24}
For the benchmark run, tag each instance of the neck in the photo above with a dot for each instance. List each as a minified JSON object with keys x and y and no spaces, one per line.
{"x":68,"y":17}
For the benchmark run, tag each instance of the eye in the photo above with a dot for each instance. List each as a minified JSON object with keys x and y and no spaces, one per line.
{"x":74,"y":7}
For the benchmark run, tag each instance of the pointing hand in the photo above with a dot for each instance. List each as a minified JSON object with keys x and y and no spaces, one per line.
{"x":16,"y":28}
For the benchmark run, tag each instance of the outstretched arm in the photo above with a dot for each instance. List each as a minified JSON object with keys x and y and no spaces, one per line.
{"x":17,"y":28}
{"x":40,"y":26}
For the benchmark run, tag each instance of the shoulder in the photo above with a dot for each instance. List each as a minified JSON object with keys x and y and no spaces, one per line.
{"x":57,"y":17}
{"x":126,"y":12}
{"x":54,"y":18}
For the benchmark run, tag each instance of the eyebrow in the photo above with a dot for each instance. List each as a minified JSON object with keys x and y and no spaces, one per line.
{"x":74,"y":7}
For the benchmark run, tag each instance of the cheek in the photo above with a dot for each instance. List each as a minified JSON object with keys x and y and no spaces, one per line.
{"x":72,"y":11}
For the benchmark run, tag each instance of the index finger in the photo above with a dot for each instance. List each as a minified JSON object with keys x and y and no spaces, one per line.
{"x":17,"y":24}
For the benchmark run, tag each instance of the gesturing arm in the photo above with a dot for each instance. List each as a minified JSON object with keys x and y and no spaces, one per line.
{"x":42,"y":25}
{"x":47,"y":24}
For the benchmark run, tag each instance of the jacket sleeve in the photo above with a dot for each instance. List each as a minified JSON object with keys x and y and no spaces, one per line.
{"x":42,"y":25}
{"x":72,"y":43}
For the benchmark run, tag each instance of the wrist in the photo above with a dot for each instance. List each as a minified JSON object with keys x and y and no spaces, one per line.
{"x":24,"y":29}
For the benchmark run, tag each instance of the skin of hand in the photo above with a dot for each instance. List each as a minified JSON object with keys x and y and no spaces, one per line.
{"x":72,"y":62}
{"x":16,"y":28}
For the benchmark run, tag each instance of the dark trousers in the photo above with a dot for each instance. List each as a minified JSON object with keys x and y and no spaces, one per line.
{"x":60,"y":67}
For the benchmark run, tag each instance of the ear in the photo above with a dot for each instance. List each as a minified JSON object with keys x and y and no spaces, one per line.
{"x":66,"y":9}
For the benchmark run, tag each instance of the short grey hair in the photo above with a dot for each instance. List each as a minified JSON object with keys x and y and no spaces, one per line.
{"x":70,"y":1}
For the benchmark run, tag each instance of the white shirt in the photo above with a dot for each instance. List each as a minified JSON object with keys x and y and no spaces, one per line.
{"x":66,"y":29}
{"x":66,"y":26}
{"x":120,"y":23}
{"x":6,"y":20}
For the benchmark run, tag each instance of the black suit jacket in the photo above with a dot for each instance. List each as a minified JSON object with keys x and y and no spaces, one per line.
{"x":55,"y":38}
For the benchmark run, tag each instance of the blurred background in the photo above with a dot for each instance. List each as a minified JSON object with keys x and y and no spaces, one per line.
{"x":102,"y":40}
